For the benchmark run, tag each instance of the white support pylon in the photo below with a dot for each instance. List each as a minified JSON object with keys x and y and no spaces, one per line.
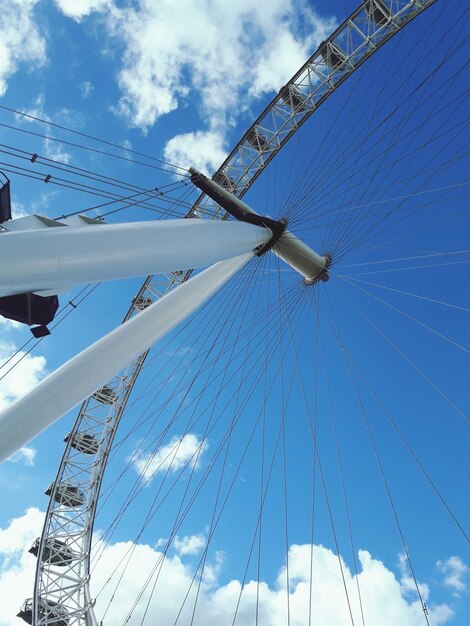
{"x":52,"y":260}
{"x":92,"y":368}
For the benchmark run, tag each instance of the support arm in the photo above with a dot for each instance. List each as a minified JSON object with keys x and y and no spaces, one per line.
{"x":92,"y":368}
{"x":52,"y":259}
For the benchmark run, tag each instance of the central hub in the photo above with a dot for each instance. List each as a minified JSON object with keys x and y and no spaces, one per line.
{"x":284,"y":244}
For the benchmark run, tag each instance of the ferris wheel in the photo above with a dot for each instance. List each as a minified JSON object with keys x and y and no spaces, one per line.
{"x":257,"y":351}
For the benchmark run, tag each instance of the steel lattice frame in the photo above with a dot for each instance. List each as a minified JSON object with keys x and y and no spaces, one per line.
{"x":366,"y":30}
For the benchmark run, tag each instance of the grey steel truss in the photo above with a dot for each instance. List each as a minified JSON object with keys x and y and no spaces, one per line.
{"x":61,"y":591}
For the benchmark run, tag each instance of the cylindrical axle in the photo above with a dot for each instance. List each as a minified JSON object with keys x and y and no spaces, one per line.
{"x":311,"y":265}
{"x":301,"y":258}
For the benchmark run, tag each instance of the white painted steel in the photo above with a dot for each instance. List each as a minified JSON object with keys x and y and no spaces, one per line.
{"x":300,"y":257}
{"x":49,"y":259}
{"x":92,"y":368}
{"x":30,"y":222}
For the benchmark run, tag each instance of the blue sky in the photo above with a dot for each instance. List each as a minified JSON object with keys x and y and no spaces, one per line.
{"x":181,"y":81}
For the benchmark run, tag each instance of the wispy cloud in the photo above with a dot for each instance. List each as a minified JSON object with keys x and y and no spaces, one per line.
{"x":26,"y":455}
{"x":204,"y":150}
{"x":189,"y":545}
{"x":52,"y":149}
{"x":27,"y":372}
{"x":221,"y":55}
{"x":86,"y":89}
{"x":407,"y":581}
{"x":178,"y":453}
{"x":21,"y":41}
{"x":79,"y":9}
{"x":454,"y":571}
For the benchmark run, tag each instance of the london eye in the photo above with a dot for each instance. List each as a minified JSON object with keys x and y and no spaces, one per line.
{"x":305,"y":334}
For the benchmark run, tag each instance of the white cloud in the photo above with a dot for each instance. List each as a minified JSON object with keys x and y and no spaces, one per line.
{"x":86,"y":88}
{"x":175,"y":455}
{"x":383,"y":598}
{"x":407,"y":581}
{"x":20,"y":533}
{"x":218,"y":49}
{"x":223,"y":53}
{"x":21,"y":41}
{"x":204,"y":150}
{"x":5,"y":322}
{"x":78,"y":9}
{"x":218,"y":54}
{"x":454,"y":570}
{"x":18,"y":209}
{"x":26,"y":454}
{"x":287,"y":45}
{"x":52,"y":149}
{"x":28,"y":371}
{"x":189,"y":545}
{"x":16,"y":565}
